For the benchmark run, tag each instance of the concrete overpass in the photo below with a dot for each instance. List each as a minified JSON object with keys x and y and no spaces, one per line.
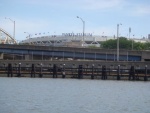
{"x":29,"y":52}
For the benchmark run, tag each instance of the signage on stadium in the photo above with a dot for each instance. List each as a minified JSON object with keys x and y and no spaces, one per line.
{"x":76,"y":34}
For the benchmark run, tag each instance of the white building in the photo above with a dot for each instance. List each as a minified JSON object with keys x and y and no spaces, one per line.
{"x":71,"y":39}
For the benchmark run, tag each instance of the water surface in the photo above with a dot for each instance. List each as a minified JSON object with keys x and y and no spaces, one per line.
{"x":48,"y":95}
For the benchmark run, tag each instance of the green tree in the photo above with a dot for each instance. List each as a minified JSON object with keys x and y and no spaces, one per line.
{"x":139,"y":46}
{"x":109,"y":44}
{"x":147,"y":45}
{"x":124,"y":43}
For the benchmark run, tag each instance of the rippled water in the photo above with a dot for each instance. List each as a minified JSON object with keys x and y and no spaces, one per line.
{"x":47,"y":95}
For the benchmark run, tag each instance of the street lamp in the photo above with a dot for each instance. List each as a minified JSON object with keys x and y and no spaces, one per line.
{"x":129,"y":31}
{"x":118,"y":41}
{"x":132,"y":42}
{"x":14,"y":25}
{"x":28,"y":34}
{"x":83,"y":28}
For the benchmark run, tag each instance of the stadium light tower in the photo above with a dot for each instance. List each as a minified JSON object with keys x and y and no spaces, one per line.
{"x":129,"y":31}
{"x":83,"y":29}
{"x":132,"y":42}
{"x":118,"y":41}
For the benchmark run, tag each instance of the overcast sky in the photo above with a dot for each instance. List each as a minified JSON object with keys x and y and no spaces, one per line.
{"x":50,"y":17}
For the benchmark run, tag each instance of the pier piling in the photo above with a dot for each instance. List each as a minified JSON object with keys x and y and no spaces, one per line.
{"x":55,"y":71}
{"x":104,"y":73}
{"x":33,"y":70}
{"x":132,"y":73}
{"x":19,"y":70}
{"x":80,"y":71}
{"x":118,"y":73}
{"x":9,"y":70}
{"x":92,"y":76}
{"x":63,"y":71}
{"x":40,"y":74}
{"x":145,"y":77}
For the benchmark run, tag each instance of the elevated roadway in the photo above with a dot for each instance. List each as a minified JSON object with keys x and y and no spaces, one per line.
{"x":28,"y":51}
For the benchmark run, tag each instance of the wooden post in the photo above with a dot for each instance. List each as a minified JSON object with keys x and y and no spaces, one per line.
{"x":54,"y":71}
{"x":145,"y":77}
{"x":80,"y":71}
{"x":40,"y":74}
{"x":132,"y":73}
{"x":63,"y":71}
{"x":104,"y":74}
{"x":19,"y":70}
{"x":118,"y":73}
{"x":92,"y":76}
{"x":33,"y":71}
{"x":9,"y":70}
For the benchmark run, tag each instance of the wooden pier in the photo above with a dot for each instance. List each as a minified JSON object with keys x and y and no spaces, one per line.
{"x":79,"y":72}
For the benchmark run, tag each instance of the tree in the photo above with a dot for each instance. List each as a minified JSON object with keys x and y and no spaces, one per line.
{"x":124,"y":43}
{"x":147,"y":45}
{"x":139,"y":46}
{"x":109,"y":44}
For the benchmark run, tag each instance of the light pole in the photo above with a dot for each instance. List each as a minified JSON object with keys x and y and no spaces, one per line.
{"x":28,"y":36}
{"x":83,"y":29}
{"x":14,"y":26}
{"x":55,"y":40}
{"x":132,"y":42}
{"x":129,"y":31}
{"x":118,"y":41}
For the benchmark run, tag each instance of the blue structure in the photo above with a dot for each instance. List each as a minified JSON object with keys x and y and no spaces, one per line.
{"x":70,"y":54}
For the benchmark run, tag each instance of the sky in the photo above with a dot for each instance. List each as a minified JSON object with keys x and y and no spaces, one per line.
{"x":54,"y":17}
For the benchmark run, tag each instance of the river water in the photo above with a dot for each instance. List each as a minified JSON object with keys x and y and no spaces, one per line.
{"x":48,"y":95}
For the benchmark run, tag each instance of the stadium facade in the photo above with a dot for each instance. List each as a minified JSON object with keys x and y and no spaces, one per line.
{"x":71,"y":40}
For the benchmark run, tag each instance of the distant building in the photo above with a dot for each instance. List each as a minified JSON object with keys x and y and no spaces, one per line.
{"x":148,"y":36}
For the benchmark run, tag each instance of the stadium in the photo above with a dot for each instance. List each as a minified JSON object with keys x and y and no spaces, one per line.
{"x":71,"y":40}
{"x":64,"y":40}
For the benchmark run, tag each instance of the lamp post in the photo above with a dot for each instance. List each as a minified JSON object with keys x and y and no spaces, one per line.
{"x":83,"y":29}
{"x":28,"y":34}
{"x":129,"y":31}
{"x":14,"y":25}
{"x":118,"y":41}
{"x":132,"y":42}
{"x":55,"y":41}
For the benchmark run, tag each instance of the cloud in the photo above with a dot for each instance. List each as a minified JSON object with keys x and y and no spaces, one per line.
{"x":140,"y":9}
{"x":143,"y":10}
{"x":77,"y":4}
{"x":101,"y":4}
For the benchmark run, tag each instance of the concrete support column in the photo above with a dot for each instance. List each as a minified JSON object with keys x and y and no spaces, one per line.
{"x":1,"y":55}
{"x":27,"y":57}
